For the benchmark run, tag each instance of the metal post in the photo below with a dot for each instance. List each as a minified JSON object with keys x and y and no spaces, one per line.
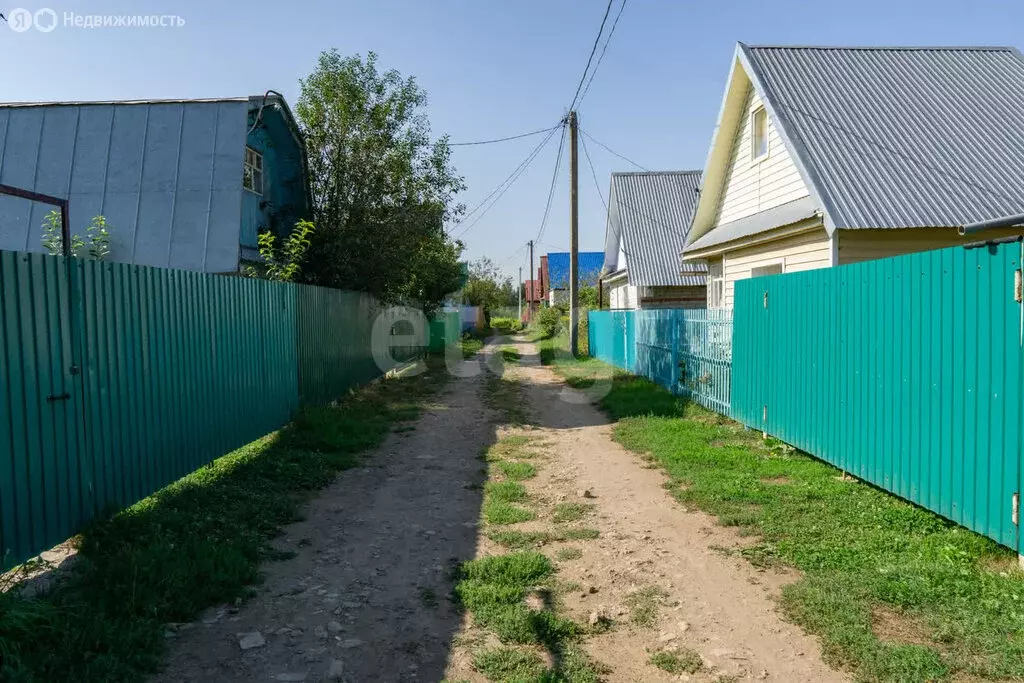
{"x":533,"y":287}
{"x":520,"y":293}
{"x":62,"y":204}
{"x":574,"y":251}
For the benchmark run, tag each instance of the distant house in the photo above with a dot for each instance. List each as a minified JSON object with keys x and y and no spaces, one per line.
{"x":556,"y":287}
{"x":649,"y":215}
{"x":824,"y":156}
{"x":182,"y":183}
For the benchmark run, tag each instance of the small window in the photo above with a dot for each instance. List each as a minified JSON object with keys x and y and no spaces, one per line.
{"x":716,"y":292}
{"x":252,"y":172}
{"x":759,"y":133}
{"x":772,"y":269}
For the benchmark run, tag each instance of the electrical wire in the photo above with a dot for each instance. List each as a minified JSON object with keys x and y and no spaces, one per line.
{"x":597,"y":40}
{"x":551,"y":190}
{"x":603,"y":50}
{"x":511,"y":137}
{"x":609,"y":149}
{"x":499,"y":191}
{"x":593,"y":174}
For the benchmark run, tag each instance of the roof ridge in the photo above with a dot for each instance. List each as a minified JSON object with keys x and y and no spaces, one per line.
{"x":891,"y":48}
{"x":640,"y":173}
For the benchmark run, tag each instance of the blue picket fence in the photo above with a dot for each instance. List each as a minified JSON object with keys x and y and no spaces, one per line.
{"x":687,"y":351}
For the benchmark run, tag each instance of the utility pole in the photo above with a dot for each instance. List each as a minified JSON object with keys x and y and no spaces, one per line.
{"x":529,"y":278}
{"x":520,"y":293}
{"x":574,"y":247}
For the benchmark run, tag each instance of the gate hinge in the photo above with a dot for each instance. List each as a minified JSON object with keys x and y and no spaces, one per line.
{"x":1016,"y":508}
{"x":1018,"y":286}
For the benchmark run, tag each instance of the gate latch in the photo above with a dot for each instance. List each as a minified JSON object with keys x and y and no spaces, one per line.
{"x":1018,"y":286}
{"x":1016,"y":508}
{"x":58,"y":397}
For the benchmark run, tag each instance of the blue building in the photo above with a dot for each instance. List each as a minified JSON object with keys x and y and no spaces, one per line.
{"x":182,"y":183}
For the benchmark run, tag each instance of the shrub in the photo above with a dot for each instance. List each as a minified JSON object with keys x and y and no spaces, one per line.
{"x":507,"y":325}
{"x":549,"y":320}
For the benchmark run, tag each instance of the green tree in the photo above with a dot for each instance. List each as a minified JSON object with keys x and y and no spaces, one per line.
{"x":382,"y":190}
{"x":282,"y":263}
{"x":95,"y":245}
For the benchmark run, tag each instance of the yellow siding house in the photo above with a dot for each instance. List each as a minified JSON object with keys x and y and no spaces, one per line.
{"x":824,"y":156}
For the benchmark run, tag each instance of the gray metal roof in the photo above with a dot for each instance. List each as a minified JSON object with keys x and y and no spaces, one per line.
{"x":898,"y":137}
{"x":648,"y":217}
{"x":777,"y":217}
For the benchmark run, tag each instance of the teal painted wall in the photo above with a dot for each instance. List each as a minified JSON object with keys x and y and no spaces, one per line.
{"x":905,"y":372}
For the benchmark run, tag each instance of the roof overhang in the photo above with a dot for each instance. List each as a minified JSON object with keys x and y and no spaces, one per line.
{"x":614,"y":277}
{"x":789,"y":219}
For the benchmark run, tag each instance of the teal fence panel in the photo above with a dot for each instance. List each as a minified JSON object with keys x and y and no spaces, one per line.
{"x":905,"y":372}
{"x":611,"y":338}
{"x":445,"y":330}
{"x":116,"y":380}
{"x":687,"y":351}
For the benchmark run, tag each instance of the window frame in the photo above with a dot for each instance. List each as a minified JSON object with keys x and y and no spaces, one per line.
{"x":716,"y":291}
{"x":254,"y":171}
{"x":781,"y":263}
{"x":754,"y":156}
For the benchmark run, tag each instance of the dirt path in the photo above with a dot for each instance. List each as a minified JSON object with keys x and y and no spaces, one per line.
{"x":367,"y":596}
{"x":709,"y":602}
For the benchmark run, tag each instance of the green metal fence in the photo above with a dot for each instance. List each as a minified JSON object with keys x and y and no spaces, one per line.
{"x":905,"y":372}
{"x":116,"y":380}
{"x":687,"y":351}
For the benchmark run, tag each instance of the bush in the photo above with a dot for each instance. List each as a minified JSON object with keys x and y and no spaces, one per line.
{"x":507,"y":325}
{"x":548,"y":321}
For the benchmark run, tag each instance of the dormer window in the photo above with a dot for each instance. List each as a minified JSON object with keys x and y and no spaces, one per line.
{"x":759,"y":133}
{"x":252,"y":172}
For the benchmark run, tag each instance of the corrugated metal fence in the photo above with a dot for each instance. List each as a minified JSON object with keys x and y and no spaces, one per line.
{"x":116,"y":380}
{"x":687,"y":351}
{"x":905,"y":372}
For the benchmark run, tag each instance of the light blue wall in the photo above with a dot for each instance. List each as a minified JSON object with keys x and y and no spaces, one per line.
{"x":284,"y":191}
{"x":166,"y":175}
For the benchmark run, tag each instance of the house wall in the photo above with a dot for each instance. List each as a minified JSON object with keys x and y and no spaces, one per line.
{"x":673,"y":297}
{"x":283,"y":200}
{"x":804,"y":251}
{"x":865,"y":245}
{"x":166,"y":175}
{"x":622,"y":295}
{"x":753,"y":186}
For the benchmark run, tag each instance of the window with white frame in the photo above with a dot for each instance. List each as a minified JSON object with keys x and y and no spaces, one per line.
{"x":716,"y":285}
{"x":252,"y":171}
{"x":759,"y":133}
{"x":770,"y":269}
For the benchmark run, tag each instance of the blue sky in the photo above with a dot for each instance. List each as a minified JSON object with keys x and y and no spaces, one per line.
{"x":491,"y":68}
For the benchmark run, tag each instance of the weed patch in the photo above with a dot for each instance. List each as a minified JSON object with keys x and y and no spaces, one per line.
{"x":568,"y":553}
{"x":501,"y":513}
{"x":570,"y":512}
{"x":684,"y":661}
{"x":644,"y":605}
{"x":517,"y":470}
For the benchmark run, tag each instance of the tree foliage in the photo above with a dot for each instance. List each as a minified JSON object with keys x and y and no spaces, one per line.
{"x":382,"y":190}
{"x":284,"y":263}
{"x":95,"y":245}
{"x":487,"y":288}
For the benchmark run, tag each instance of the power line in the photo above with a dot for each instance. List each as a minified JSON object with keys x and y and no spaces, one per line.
{"x":593,"y":173}
{"x":499,"y":191}
{"x":603,"y":50}
{"x":609,"y":149}
{"x":551,"y":190}
{"x":592,"y":51}
{"x":511,"y":137}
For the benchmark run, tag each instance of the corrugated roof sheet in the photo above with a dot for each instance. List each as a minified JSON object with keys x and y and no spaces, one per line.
{"x":776,"y":217}
{"x":901,"y":137}
{"x":649,"y":215}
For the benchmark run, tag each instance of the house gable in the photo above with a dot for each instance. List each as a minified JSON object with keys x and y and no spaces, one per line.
{"x":752,"y":185}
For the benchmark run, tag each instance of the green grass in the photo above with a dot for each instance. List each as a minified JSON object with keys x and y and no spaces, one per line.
{"x":506,"y":491}
{"x":954,"y":598}
{"x":568,"y":553}
{"x":494,"y":590}
{"x":517,"y":470}
{"x":570,"y":512}
{"x":521,"y":540}
{"x":644,"y":604}
{"x":684,"y":661}
{"x":510,"y":354}
{"x":196,"y":543}
{"x":504,"y":394}
{"x":515,"y":446}
{"x":501,"y":513}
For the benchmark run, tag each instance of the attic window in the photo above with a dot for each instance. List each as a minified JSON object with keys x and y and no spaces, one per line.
{"x":759,"y":133}
{"x":252,"y":171}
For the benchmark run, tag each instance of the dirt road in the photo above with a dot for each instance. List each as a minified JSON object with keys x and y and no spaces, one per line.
{"x":367,"y":597}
